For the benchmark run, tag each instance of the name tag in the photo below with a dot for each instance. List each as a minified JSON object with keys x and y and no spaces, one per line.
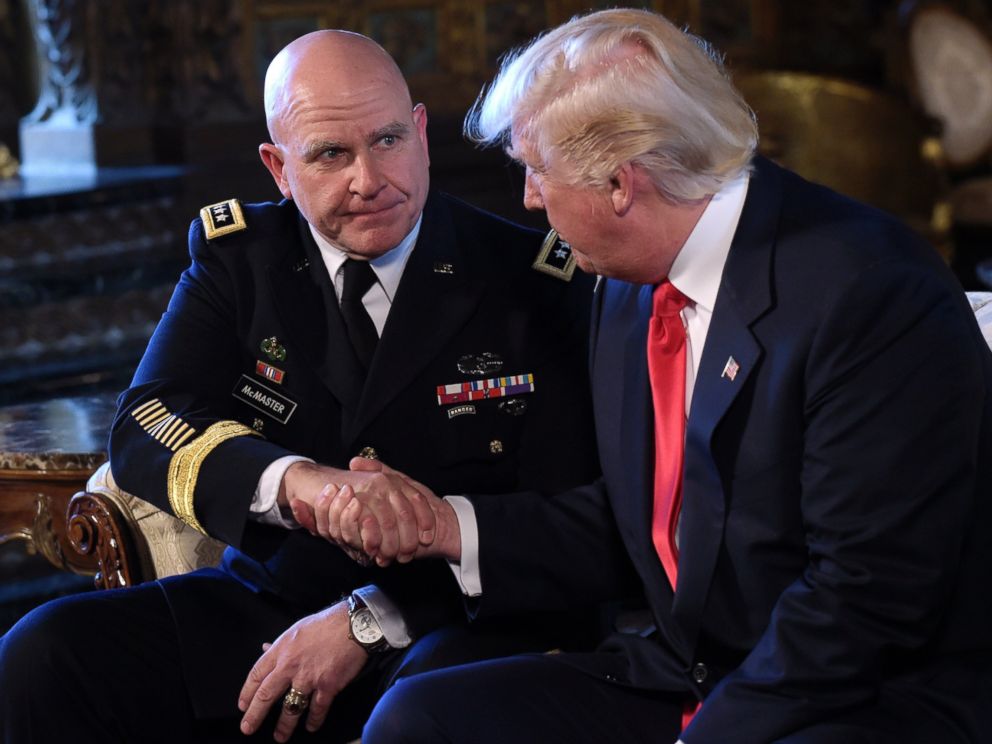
{"x":265,"y":399}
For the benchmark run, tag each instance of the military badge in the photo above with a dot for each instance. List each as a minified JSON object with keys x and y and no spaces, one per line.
{"x":513,"y":406}
{"x":273,"y":349}
{"x":222,"y":218}
{"x":486,"y":363}
{"x":555,"y":257}
{"x":269,"y":372}
{"x":496,"y":387}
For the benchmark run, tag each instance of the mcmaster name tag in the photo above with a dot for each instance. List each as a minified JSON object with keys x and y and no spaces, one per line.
{"x":264,"y":399}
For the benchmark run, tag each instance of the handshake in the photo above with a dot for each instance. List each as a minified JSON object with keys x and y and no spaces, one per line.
{"x":374,"y":513}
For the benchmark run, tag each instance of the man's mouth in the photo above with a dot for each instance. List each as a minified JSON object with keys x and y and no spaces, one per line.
{"x":366,"y":212}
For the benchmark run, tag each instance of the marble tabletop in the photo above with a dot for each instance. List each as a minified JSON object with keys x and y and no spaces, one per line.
{"x":61,"y":434}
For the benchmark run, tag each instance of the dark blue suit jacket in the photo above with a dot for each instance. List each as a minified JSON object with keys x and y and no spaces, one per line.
{"x":835,"y":542}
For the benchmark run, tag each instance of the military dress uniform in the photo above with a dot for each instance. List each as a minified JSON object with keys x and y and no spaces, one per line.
{"x":478,"y":385}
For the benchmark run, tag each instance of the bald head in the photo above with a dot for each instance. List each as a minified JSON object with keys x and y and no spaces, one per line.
{"x":348,"y":146}
{"x":322,"y":64}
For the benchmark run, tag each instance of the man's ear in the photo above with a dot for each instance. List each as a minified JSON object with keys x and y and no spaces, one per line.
{"x":420,"y":122}
{"x":273,"y":159}
{"x":622,"y":187}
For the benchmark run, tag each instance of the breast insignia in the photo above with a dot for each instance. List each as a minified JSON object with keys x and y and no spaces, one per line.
{"x":555,"y":257}
{"x":222,"y":218}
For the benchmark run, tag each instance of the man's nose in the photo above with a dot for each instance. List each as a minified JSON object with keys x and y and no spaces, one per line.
{"x":367,"y":178}
{"x":532,"y":195}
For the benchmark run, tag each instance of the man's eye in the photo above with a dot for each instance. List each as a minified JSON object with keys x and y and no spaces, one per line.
{"x":389,"y":140}
{"x":330,"y":153}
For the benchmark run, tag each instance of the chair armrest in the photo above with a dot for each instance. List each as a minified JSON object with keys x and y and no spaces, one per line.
{"x":133,"y":540}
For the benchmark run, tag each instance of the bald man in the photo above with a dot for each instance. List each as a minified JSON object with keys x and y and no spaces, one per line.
{"x":364,"y":316}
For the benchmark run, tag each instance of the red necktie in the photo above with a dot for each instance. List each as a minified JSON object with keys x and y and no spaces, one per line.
{"x":666,"y":368}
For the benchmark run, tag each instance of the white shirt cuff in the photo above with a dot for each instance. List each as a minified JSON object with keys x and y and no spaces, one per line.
{"x":466,"y":571}
{"x":263,"y":507}
{"x":386,"y":614}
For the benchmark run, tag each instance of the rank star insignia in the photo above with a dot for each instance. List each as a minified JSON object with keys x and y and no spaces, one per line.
{"x":222,"y":218}
{"x":730,"y":369}
{"x":555,"y":257}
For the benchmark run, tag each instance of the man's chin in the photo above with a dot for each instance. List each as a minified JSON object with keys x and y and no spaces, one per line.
{"x":371,"y":244}
{"x":585,"y":265}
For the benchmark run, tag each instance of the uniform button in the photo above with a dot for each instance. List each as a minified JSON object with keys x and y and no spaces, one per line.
{"x":369,"y":453}
{"x":699,"y":673}
{"x":496,"y":447}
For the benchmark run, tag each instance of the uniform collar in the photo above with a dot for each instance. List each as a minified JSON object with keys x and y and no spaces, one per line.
{"x":388,"y":267}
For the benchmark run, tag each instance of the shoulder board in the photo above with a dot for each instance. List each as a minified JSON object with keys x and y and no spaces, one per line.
{"x":555,"y":257}
{"x":222,"y":218}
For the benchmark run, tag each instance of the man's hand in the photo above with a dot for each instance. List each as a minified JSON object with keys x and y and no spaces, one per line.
{"x":373,"y":526}
{"x":315,"y":655}
{"x":387,"y":498}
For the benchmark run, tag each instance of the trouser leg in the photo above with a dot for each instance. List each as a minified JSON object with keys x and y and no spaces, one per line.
{"x":94,"y":667}
{"x":534,"y":698}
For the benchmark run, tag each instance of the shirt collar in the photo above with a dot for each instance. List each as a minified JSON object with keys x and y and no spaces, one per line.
{"x":698,"y":267}
{"x":388,"y":267}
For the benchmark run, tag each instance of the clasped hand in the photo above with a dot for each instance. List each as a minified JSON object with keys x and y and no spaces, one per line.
{"x":372,"y":511}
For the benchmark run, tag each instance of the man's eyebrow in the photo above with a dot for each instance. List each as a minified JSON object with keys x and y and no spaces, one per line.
{"x":396,"y":129}
{"x":313,"y":149}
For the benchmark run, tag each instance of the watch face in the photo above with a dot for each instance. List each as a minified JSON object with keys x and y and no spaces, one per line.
{"x":364,"y":627}
{"x":952,"y":62}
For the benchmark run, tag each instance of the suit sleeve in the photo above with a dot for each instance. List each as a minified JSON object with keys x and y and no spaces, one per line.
{"x":567,"y":544}
{"x":894,"y":394}
{"x":174,"y":442}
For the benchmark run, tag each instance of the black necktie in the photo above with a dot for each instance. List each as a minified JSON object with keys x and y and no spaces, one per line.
{"x":358,"y":277}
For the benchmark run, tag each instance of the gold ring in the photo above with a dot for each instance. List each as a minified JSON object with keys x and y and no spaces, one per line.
{"x":295,"y":702}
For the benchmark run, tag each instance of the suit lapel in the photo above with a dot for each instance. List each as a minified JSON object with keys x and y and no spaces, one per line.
{"x":310,"y":315}
{"x":744,"y":296}
{"x":637,"y":421}
{"x":430,"y":306}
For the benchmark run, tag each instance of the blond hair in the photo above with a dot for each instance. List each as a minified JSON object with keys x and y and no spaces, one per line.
{"x":619,"y":86}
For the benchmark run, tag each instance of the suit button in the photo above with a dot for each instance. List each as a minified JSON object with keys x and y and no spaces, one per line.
{"x":369,"y":453}
{"x":496,"y":447}
{"x":699,"y":673}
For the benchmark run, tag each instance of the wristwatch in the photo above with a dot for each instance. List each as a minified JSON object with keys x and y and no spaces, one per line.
{"x":365,"y":630}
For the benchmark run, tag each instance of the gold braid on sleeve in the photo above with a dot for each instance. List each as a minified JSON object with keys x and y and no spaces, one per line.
{"x":184,"y":468}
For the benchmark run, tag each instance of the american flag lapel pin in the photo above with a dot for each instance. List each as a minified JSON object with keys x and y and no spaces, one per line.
{"x":730,"y":369}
